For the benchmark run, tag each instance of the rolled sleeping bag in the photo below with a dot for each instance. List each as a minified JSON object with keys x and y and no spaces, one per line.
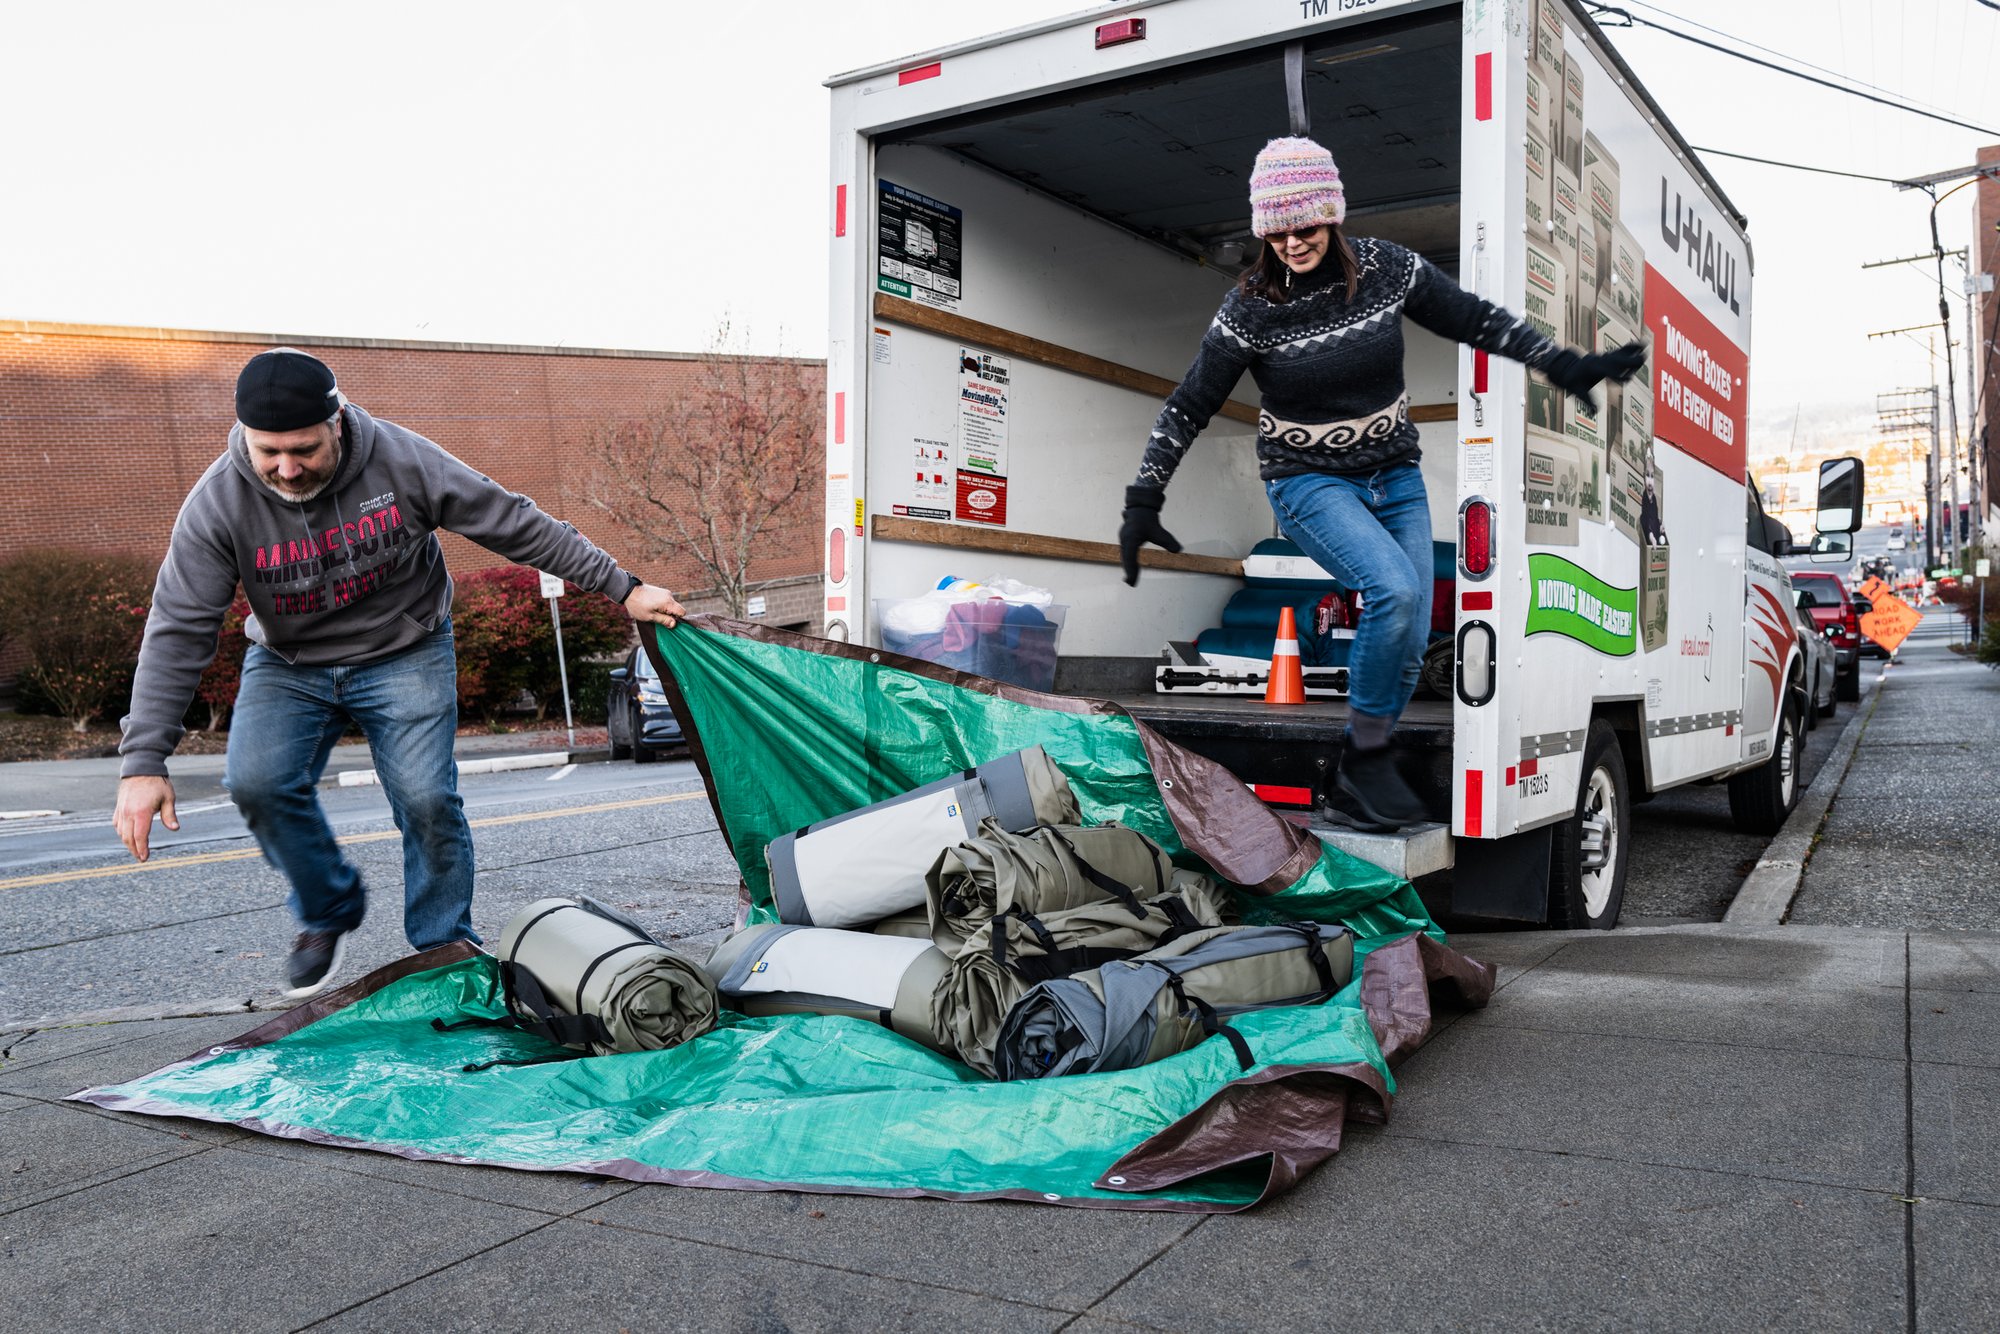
{"x":778,"y":969}
{"x":911,"y":923}
{"x":1131,"y":1012}
{"x":1045,"y":870}
{"x":1010,"y":954}
{"x":870,"y":863}
{"x":592,"y":979}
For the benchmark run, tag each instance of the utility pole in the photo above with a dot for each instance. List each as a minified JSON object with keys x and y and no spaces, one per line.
{"x":1895,"y":411}
{"x":1928,"y":184}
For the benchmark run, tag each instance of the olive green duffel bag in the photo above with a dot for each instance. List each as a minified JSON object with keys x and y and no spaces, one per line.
{"x":1049,"y":869}
{"x":1130,"y":1012}
{"x":589,"y":978}
{"x":1011,"y":953}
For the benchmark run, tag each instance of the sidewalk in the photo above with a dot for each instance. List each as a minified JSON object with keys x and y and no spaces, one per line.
{"x":1691,"y":1127}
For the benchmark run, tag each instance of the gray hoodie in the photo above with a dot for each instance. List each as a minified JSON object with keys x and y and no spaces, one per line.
{"x":352,"y":576}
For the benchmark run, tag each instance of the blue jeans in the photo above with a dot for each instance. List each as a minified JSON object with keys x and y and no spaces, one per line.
{"x":1371,"y":531}
{"x":286,"y":721}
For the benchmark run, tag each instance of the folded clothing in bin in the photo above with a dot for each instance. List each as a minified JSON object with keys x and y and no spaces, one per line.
{"x":1013,"y":642}
{"x":870,"y":864}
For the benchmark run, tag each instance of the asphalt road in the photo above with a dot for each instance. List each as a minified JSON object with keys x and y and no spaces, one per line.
{"x":84,"y":927}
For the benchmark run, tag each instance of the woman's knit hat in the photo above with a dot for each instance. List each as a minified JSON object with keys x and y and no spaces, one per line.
{"x":1294,"y":185}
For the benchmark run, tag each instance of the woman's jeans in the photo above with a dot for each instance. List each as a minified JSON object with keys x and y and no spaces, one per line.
{"x":286,"y":721}
{"x":1371,"y":531}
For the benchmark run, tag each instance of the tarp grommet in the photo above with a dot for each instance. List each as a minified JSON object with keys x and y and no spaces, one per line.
{"x":1166,"y":782}
{"x":1114,"y":1181}
{"x":1052,"y":1197}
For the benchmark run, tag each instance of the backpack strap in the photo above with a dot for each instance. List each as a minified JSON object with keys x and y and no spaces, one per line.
{"x":1211,"y":1024}
{"x":1122,"y":892}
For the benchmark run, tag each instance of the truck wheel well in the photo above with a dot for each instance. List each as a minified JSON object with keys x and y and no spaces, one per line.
{"x":1629,"y":727}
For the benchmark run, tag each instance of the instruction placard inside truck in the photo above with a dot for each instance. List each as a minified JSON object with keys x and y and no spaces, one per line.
{"x":918,"y":246}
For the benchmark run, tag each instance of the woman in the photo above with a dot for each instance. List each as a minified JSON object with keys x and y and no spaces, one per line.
{"x":1317,"y":320}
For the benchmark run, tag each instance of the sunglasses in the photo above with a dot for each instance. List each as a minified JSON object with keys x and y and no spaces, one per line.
{"x":1301,"y":233}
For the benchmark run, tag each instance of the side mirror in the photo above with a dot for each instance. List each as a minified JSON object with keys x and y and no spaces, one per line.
{"x":1802,"y":597}
{"x":619,"y":675}
{"x":1840,"y":492}
{"x":1862,"y":606}
{"x":1832,"y":548}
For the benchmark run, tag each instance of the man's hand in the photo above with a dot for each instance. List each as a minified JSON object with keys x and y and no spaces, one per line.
{"x":647,"y":603}
{"x":140,"y":798}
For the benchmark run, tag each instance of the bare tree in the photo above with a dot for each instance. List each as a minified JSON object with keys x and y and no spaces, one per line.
{"x":715,"y":468}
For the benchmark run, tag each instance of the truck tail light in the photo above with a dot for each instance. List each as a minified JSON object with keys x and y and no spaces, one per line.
{"x":1475,"y":538}
{"x":1475,"y":663}
{"x":1121,"y":32}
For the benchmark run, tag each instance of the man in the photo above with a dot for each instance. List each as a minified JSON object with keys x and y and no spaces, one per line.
{"x":329,"y":518}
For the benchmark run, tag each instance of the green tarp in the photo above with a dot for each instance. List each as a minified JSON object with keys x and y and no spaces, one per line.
{"x":790,"y":730}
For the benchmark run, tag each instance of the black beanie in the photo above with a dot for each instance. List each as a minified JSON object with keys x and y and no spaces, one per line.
{"x":285,"y":390}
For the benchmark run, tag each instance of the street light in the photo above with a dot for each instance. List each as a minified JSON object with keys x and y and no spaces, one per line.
{"x":1928,"y":184}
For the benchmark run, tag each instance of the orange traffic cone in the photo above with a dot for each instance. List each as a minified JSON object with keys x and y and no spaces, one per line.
{"x":1287,"y":683}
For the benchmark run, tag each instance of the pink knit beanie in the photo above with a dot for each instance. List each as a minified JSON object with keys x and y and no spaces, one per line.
{"x":1294,"y":185}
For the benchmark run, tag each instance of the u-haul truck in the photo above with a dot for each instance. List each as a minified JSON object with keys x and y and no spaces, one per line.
{"x":1030,"y":233}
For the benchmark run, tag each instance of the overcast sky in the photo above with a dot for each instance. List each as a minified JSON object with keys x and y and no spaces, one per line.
{"x":623,"y":175}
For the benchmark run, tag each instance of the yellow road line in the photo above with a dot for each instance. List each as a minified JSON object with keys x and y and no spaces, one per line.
{"x":211,"y":858}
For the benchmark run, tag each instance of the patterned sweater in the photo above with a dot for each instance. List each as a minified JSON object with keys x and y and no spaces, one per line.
{"x":1330,"y":371}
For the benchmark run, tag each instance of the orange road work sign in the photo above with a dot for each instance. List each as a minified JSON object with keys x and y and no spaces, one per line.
{"x":1892,"y":620}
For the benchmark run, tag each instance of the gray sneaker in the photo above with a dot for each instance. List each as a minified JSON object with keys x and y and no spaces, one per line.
{"x":315,"y":962}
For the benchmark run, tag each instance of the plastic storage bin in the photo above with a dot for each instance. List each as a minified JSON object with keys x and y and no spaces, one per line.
{"x":1006,"y":641}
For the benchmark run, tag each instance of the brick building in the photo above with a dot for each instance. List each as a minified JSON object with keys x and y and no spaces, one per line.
{"x":103,"y":431}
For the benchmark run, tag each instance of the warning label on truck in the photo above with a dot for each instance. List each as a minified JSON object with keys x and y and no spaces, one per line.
{"x":917,"y":246}
{"x":1566,"y":599}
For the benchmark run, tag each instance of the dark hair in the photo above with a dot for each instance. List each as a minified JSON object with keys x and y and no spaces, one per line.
{"x":1266,"y":277}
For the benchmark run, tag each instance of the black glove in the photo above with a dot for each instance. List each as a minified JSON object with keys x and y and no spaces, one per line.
{"x":1577,"y":374}
{"x":1142,"y":525}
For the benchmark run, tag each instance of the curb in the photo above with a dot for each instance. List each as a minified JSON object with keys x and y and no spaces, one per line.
{"x":1767,"y":892}
{"x":554,"y":759}
{"x":127,"y":1014}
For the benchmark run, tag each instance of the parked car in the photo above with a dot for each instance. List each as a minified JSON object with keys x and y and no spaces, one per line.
{"x":1896,"y":541}
{"x":641,"y":722}
{"x":1833,"y":610}
{"x":1821,"y":697}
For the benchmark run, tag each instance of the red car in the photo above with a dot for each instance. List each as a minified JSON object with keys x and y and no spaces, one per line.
{"x":1833,"y":610}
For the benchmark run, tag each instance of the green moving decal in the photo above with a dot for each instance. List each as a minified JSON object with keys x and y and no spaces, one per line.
{"x":1566,"y":599}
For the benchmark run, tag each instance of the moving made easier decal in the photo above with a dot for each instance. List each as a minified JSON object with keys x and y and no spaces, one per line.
{"x":1566,"y":599}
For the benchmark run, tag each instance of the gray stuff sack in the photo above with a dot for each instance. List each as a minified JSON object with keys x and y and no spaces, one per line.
{"x":589,"y":978}
{"x":776,"y":969}
{"x":869,"y":864}
{"x":1131,"y":1012}
{"x":1045,"y":870}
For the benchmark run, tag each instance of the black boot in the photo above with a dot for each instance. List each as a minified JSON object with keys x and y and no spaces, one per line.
{"x":1369,"y":781}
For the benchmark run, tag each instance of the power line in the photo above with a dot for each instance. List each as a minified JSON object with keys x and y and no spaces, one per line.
{"x":1796,"y":60}
{"x":1797,"y":166}
{"x":1631,"y":18}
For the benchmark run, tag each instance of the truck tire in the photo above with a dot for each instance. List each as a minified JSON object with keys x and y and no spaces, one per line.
{"x":1589,"y":850}
{"x":1847,"y":685}
{"x":1760,"y":799}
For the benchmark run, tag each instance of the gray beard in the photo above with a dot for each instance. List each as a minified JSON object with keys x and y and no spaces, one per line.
{"x":301,"y":497}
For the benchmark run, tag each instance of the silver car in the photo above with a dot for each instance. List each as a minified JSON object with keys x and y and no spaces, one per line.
{"x":1819,"y":657}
